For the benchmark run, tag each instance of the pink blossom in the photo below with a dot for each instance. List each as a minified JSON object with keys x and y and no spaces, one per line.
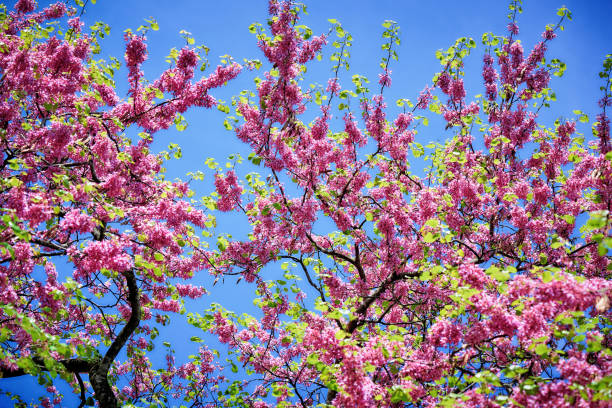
{"x":25,"y":6}
{"x":333,"y":86}
{"x":457,"y":91}
{"x":513,"y":28}
{"x":548,"y":34}
{"x":76,"y":221}
{"x":228,"y":189}
{"x":135,"y":50}
{"x":384,"y":79}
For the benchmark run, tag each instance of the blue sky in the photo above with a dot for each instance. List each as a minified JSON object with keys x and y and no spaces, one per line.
{"x":425,"y":27}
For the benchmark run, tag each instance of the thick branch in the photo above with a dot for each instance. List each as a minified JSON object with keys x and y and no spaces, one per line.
{"x":369,"y":300}
{"x":98,"y":374}
{"x":363,"y":308}
{"x":75,"y":365}
{"x":82,"y":388}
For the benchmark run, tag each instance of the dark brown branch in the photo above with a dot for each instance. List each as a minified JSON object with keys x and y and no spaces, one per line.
{"x":92,"y":169}
{"x":355,"y":262}
{"x":581,"y":248}
{"x":98,"y":374}
{"x":310,"y":281}
{"x":75,"y":365}
{"x":48,"y":244}
{"x":82,"y":387}
{"x":367,"y":302}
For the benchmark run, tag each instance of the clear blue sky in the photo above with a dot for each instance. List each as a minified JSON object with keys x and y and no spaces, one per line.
{"x":425,"y":27}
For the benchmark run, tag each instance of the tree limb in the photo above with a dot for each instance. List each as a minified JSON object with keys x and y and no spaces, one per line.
{"x":98,"y":374}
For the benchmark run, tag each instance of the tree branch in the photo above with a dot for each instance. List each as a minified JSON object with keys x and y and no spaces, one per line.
{"x":74,"y":365}
{"x":98,"y":374}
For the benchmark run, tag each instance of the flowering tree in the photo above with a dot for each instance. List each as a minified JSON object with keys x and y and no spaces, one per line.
{"x":471,"y":272}
{"x":479,"y":276}
{"x":97,"y":246}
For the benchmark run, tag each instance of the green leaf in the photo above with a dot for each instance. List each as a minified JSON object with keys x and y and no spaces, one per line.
{"x":336,"y":314}
{"x":398,"y":394}
{"x":547,"y":276}
{"x":597,"y":220}
{"x":541,"y":349}
{"x":556,"y":245}
{"x":340,"y":334}
{"x":312,"y":359}
{"x":429,"y":238}
{"x":569,"y":218}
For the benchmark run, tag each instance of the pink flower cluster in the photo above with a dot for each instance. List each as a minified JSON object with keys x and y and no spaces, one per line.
{"x":229,"y":191}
